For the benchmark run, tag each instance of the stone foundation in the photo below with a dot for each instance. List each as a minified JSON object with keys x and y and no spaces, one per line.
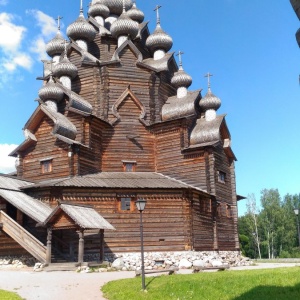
{"x":17,"y":262}
{"x":182,"y":260}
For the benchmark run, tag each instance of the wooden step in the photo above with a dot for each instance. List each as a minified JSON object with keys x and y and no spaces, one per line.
{"x":61,"y":267}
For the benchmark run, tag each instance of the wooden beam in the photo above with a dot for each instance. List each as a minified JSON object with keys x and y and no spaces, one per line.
{"x":101,"y":245}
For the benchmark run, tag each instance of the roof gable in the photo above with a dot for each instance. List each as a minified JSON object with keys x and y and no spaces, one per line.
{"x":128,"y":93}
{"x":67,"y":216}
{"x":127,"y":44}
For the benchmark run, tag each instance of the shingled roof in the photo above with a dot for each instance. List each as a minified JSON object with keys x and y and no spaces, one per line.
{"x":9,"y":190}
{"x":130,"y":180}
{"x":83,"y":216}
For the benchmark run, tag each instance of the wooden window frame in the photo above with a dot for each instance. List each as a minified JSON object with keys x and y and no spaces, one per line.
{"x":131,"y":207}
{"x":129,"y":162}
{"x":46,"y":166}
{"x":221,"y":177}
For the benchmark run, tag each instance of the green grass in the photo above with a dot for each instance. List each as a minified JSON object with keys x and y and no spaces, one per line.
{"x":271,"y":284}
{"x":4,"y":295}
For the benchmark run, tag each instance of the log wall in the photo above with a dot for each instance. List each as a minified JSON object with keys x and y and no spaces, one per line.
{"x":9,"y":247}
{"x":225,"y":194}
{"x":170,"y":161}
{"x":47,"y":146}
{"x":166,"y":219}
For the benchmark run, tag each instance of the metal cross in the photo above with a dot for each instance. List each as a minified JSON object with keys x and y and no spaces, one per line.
{"x":124,"y":8}
{"x":58,"y":22}
{"x":157,"y":14}
{"x":180,"y":57}
{"x":81,"y":7}
{"x":208,"y":75}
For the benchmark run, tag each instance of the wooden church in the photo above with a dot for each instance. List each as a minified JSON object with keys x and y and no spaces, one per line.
{"x":115,"y":123}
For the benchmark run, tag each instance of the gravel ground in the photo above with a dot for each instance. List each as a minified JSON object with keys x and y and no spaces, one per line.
{"x":76,"y":286}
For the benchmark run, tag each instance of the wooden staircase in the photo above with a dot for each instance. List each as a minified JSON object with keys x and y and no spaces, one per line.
{"x":23,"y":237}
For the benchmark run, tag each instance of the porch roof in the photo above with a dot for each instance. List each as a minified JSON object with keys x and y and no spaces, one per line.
{"x":83,"y":216}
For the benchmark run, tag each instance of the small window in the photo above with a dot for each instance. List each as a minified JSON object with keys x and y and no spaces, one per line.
{"x":208,"y":205}
{"x":125,"y":204}
{"x":228,"y":211}
{"x":129,"y":166}
{"x":46,"y":166}
{"x":221,"y":176}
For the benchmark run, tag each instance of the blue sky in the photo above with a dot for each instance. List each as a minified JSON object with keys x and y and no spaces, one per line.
{"x":249,"y":47}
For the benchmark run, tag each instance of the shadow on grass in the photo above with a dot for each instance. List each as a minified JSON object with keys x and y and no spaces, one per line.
{"x":272,"y":293}
{"x":150,"y":281}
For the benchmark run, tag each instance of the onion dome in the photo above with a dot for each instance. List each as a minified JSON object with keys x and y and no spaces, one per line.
{"x":159,"y":40}
{"x":81,"y":29}
{"x":116,"y":6}
{"x":56,"y":45}
{"x":51,"y":91}
{"x":65,"y":68}
{"x":181,"y":79}
{"x":210,"y":101}
{"x":98,"y":9}
{"x":124,"y":26}
{"x":135,"y":14}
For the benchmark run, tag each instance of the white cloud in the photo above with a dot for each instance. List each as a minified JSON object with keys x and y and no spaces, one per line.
{"x":11,"y":35}
{"x":48,"y":27}
{"x":7,"y":164}
{"x":46,"y":23}
{"x":12,"y":57}
{"x":20,"y":60}
{"x":38,"y":46}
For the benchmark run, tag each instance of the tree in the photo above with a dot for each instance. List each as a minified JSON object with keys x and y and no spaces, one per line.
{"x":272,"y":231}
{"x":272,"y":223}
{"x":252,"y":212}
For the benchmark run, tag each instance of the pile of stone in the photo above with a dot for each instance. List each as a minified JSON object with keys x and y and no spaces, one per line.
{"x":16,"y":262}
{"x":181,"y":260}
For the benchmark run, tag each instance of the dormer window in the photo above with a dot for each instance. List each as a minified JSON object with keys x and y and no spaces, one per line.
{"x":129,"y":166}
{"x":46,"y":166}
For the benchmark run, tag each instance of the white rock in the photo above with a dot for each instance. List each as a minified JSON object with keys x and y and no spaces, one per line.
{"x":185,"y":264}
{"x":216,"y":263}
{"x":118,"y":264}
{"x":198,"y":263}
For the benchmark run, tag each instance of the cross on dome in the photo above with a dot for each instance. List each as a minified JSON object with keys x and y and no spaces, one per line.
{"x":58,"y":21}
{"x":157,"y":14}
{"x":180,"y":59}
{"x":124,"y":7}
{"x":81,"y":7}
{"x":208,"y":75}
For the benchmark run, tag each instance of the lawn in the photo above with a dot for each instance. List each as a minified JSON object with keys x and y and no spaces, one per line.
{"x":270,"y":284}
{"x":4,"y":295}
